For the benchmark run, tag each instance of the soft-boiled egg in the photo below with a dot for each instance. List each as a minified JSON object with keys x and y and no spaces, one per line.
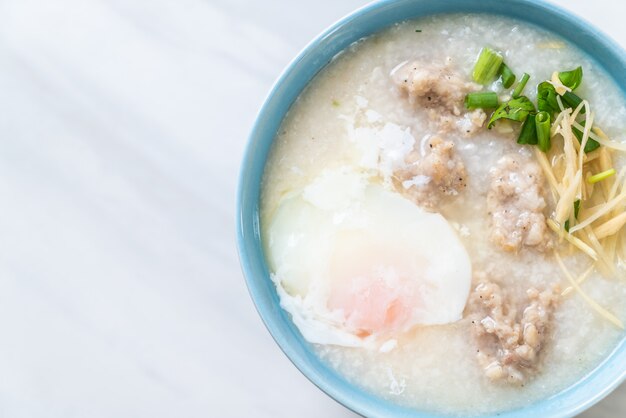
{"x":355,"y":263}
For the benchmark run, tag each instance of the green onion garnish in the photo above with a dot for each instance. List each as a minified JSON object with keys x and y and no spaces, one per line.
{"x":572,"y":100}
{"x":601,"y":176}
{"x":487,"y":66}
{"x":573,"y":78}
{"x":481,"y":100}
{"x":508,"y":78}
{"x":546,"y":98}
{"x":515,"y":109}
{"x":520,"y":85}
{"x":528,"y":134}
{"x":542,"y":124}
{"x":591,"y":144}
{"x":576,"y":210}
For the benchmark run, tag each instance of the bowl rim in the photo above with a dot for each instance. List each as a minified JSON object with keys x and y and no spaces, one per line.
{"x":581,"y":395}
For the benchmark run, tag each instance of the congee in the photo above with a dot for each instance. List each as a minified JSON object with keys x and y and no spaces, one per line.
{"x":443,"y":214}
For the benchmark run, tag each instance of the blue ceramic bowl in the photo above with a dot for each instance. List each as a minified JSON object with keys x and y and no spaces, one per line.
{"x":365,"y":21}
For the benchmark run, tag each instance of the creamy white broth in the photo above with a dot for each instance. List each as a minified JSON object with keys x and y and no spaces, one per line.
{"x":434,"y":368}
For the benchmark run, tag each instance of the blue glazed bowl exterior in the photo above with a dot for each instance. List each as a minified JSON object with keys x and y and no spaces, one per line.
{"x":365,"y":21}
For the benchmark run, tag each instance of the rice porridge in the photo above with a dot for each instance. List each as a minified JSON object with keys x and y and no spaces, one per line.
{"x":434,"y":261}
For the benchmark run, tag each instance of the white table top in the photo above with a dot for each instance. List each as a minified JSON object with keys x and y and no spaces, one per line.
{"x":122,"y":125}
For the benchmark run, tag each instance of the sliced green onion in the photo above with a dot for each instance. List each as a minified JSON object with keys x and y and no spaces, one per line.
{"x":528,"y":134}
{"x":481,"y":100}
{"x":515,"y":109}
{"x":542,"y":123}
{"x":572,"y":100}
{"x":573,"y":78}
{"x":601,"y":176}
{"x":520,"y":85}
{"x":508,"y":78}
{"x":487,"y":66}
{"x":576,"y":210}
{"x":546,"y":98}
{"x":591,"y":144}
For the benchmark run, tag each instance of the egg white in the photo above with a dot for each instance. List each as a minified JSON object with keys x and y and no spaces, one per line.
{"x":357,"y":264}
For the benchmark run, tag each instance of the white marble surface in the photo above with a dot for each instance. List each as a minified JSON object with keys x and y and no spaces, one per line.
{"x":122,"y":125}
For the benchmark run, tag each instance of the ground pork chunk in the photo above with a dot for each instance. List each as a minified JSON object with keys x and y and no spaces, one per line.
{"x":509,"y":341}
{"x":442,"y":92}
{"x":515,"y":203}
{"x":432,"y":177}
